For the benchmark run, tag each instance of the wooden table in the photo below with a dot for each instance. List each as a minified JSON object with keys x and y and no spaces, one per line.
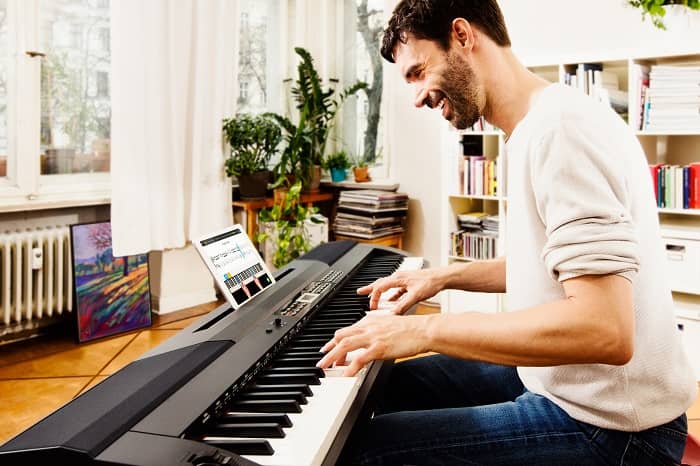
{"x":395,"y":240}
{"x":252,"y":207}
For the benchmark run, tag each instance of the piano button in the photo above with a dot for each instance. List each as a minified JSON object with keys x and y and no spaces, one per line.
{"x":248,"y":430}
{"x":264,"y":395}
{"x":266,"y":406}
{"x":278,"y":378}
{"x":246,"y":418}
{"x":304,"y":389}
{"x":240,"y":446}
{"x":313,"y":370}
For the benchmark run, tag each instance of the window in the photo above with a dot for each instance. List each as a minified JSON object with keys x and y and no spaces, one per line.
{"x":259,"y":80}
{"x":74,"y":138}
{"x":4,"y":69}
{"x":363,"y":123}
{"x":54,"y":102}
{"x":104,"y":39}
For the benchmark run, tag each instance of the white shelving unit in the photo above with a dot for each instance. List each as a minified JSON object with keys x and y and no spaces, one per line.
{"x":675,"y":148}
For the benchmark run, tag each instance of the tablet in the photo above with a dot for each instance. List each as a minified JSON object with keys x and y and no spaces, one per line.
{"x":235,"y":264}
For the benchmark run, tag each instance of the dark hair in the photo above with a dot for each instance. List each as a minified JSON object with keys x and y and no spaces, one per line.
{"x":432,"y":20}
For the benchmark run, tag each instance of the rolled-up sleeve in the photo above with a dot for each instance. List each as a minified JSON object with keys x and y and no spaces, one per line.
{"x":581,"y":197}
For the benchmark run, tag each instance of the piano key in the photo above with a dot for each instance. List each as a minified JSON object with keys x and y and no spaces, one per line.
{"x":309,"y":439}
{"x":310,"y":340}
{"x":313,"y":348}
{"x":265,"y":395}
{"x":247,"y":430}
{"x":313,"y":371}
{"x":240,"y":446}
{"x":308,"y":379}
{"x":301,"y":354}
{"x":266,"y":406}
{"x":245,"y":418}
{"x":303,"y":388}
{"x":296,"y":361}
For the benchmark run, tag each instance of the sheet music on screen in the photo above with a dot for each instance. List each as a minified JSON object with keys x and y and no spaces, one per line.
{"x":236,"y":264}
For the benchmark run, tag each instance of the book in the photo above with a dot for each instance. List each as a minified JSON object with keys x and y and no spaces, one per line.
{"x":694,"y":185}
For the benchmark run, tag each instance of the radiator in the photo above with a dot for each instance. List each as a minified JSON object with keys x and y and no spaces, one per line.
{"x":35,"y":274}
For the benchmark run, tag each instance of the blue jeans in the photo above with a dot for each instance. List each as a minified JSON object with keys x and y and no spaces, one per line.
{"x":439,"y":410}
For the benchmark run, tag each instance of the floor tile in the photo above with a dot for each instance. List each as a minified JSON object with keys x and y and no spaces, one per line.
{"x":180,"y":324}
{"x":145,"y":340}
{"x":83,"y":359}
{"x":28,"y":401}
{"x":694,"y":428}
{"x":97,"y":379}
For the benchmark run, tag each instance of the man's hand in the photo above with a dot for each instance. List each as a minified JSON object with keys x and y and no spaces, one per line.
{"x":409,"y":288}
{"x":382,"y":337}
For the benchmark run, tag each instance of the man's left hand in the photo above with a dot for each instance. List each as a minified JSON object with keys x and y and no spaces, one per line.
{"x":382,"y":337}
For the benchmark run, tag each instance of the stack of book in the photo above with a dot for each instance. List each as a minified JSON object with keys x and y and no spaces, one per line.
{"x":676,"y":187}
{"x":479,"y":176}
{"x":370,"y":214}
{"x":602,"y":85}
{"x":672,"y":101}
{"x":476,"y":237}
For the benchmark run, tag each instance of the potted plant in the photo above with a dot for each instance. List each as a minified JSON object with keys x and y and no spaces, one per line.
{"x":307,"y":138}
{"x":337,"y":164}
{"x":361,"y":170}
{"x":658,"y":9}
{"x":284,"y":225}
{"x":253,"y":140}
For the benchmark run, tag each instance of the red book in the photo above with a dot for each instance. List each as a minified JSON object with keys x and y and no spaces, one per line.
{"x":694,"y":181}
{"x":654,"y":169}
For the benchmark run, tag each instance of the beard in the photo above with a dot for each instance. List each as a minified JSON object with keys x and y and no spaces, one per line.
{"x":458,"y":85}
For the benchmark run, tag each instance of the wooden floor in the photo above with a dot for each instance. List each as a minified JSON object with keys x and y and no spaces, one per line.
{"x":38,"y":377}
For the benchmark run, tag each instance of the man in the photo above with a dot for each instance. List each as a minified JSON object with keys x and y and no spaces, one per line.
{"x":587,"y":369}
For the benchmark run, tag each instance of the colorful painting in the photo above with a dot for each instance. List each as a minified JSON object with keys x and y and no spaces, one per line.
{"x":112,"y":294}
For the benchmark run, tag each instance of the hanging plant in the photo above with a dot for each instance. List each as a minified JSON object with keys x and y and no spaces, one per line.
{"x":656,"y":11}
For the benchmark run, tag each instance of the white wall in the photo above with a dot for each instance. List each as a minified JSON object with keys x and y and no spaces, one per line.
{"x":542,"y":31}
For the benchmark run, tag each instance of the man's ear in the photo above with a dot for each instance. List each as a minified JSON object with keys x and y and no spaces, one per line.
{"x":462,"y":33}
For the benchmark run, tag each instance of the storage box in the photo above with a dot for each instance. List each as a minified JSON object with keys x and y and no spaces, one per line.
{"x":317,"y":234}
{"x":682,"y":261}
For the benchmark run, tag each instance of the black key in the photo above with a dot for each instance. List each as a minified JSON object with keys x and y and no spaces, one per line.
{"x":310,"y":340}
{"x":313,"y":370}
{"x":253,"y":395}
{"x":299,"y":361}
{"x":301,"y":354}
{"x":241,"y":447}
{"x":266,"y":406}
{"x":308,"y":379}
{"x":303,"y":388}
{"x":246,"y":418}
{"x":304,"y":347}
{"x":249,"y":430}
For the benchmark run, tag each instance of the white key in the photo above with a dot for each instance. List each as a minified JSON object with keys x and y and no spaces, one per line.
{"x":384,"y":306}
{"x":313,"y":430}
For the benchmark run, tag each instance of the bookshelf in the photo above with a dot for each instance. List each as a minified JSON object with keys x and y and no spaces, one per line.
{"x":670,"y":145}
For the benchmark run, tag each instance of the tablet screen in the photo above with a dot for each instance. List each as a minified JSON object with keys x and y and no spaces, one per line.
{"x":236,"y":265}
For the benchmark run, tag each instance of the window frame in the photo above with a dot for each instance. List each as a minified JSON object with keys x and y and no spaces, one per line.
{"x":24,"y":187}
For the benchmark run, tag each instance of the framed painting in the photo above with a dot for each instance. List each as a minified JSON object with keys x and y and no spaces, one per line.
{"x":112,"y":294}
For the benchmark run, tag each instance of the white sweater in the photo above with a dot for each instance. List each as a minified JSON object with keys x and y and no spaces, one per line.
{"x":581,"y":202}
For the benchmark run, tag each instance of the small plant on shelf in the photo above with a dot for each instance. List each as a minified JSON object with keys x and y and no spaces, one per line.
{"x":285,"y":225}
{"x":253,"y":141}
{"x":360,"y":169}
{"x":337,"y":164}
{"x":656,"y":9}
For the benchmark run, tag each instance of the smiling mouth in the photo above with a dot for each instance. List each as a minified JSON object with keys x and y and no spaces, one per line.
{"x":444,"y":106}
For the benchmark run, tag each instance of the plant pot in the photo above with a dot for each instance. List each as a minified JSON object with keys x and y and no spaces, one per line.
{"x":253,"y":186}
{"x":315,"y":182}
{"x":338,"y":174}
{"x":3,"y":166}
{"x":361,"y":174}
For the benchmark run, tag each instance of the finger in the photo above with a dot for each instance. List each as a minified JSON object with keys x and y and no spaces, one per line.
{"x":406,"y":301}
{"x":339,"y":353}
{"x":400,"y":292}
{"x":360,"y":361}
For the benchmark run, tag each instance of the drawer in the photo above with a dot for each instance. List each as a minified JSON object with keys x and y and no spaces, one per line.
{"x":682,"y":264}
{"x":690,"y":335}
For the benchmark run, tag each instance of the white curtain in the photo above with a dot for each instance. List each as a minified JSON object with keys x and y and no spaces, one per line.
{"x":173,"y":72}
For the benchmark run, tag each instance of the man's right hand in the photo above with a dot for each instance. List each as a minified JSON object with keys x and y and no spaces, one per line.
{"x":408,"y":288}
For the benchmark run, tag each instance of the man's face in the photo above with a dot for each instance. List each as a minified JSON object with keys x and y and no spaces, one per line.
{"x":443,"y":79}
